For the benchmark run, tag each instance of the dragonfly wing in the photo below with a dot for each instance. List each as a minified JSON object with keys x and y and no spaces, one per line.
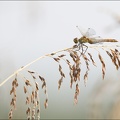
{"x":95,"y":37}
{"x":82,"y":31}
{"x":90,"y":32}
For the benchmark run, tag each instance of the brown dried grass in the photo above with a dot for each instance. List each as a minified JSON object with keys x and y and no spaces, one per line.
{"x":74,"y":65}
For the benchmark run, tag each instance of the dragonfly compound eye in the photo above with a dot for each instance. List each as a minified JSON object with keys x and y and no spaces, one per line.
{"x":75,"y":40}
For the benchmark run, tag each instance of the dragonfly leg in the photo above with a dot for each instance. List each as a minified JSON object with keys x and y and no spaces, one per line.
{"x":78,"y":46}
{"x":85,"y":49}
{"x":82,"y":49}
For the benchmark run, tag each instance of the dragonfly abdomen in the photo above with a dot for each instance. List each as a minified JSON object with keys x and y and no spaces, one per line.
{"x":102,"y":40}
{"x":110,"y":40}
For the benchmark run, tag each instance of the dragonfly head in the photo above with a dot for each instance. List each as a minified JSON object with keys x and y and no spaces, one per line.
{"x":75,"y":40}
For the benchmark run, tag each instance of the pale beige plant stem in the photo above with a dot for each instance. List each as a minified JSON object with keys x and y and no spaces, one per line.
{"x":22,"y":68}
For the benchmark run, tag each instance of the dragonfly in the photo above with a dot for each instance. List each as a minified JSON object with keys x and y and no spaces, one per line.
{"x":88,"y":37}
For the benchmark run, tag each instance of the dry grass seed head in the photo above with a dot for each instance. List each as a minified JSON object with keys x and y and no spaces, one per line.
{"x":13,"y":102}
{"x":27,"y":100}
{"x":46,"y":103}
{"x":41,"y":78}
{"x":93,"y":62}
{"x":74,"y":73}
{"x":31,"y":72}
{"x":37,"y":87}
{"x":110,"y":55}
{"x":60,"y":56}
{"x":73,"y":56}
{"x":87,"y":65}
{"x":114,"y":58}
{"x":36,"y":94}
{"x":61,"y":72}
{"x":86,"y":75}
{"x":60,"y":82}
{"x":12,"y":90}
{"x":77,"y":91}
{"x":52,"y":53}
{"x":103,"y":65}
{"x":28,"y":118}
{"x":15,"y":83}
{"x":28,"y":111}
{"x":70,"y":73}
{"x":72,"y":79}
{"x":38,"y":111}
{"x":33,"y":77}
{"x":69,"y":64}
{"x":25,"y":90}
{"x":27,"y":82}
{"x":32,"y":96}
{"x":57,"y":59}
{"x":33,"y":112}
{"x":86,"y":61}
{"x":10,"y":114}
{"x":44,"y":84}
{"x":118,"y":59}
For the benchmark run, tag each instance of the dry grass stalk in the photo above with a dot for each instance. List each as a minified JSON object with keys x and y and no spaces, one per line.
{"x":32,"y":98}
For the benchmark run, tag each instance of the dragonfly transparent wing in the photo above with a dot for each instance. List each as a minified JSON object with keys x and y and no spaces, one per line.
{"x":81,"y":30}
{"x":90,"y":32}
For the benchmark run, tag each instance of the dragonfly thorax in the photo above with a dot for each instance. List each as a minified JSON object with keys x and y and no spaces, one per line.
{"x":83,"y":40}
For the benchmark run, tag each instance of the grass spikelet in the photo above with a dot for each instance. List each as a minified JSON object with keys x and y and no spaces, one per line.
{"x":46,"y":103}
{"x":93,"y":62}
{"x":32,"y":74}
{"x":118,"y":56}
{"x":87,"y":66}
{"x":70,"y":72}
{"x":60,"y":82}
{"x":61,"y":72}
{"x":10,"y":115}
{"x":27,"y":82}
{"x":57,"y":59}
{"x":114,"y":58}
{"x":77,"y":91}
{"x":13,"y":100}
{"x":62,"y":76}
{"x":103,"y":65}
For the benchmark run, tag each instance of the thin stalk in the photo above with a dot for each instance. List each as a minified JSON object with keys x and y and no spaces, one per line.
{"x":22,"y":68}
